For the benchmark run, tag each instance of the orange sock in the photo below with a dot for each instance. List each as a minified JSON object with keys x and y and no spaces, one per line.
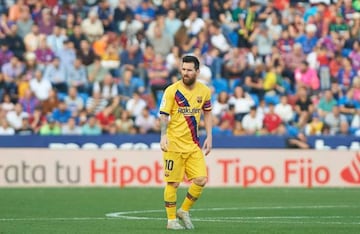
{"x":192,"y":195}
{"x":170,"y":201}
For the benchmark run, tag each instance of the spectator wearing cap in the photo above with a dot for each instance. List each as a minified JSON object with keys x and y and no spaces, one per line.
{"x":92,"y":26}
{"x":51,"y":127}
{"x":56,"y":74}
{"x":40,"y":86}
{"x":308,"y":40}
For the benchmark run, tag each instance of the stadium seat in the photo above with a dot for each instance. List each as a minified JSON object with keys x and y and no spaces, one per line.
{"x":126,"y":146}
{"x":57,"y":146}
{"x":355,"y":145}
{"x":90,"y":146}
{"x":140,"y":146}
{"x":220,"y":85}
{"x":342,"y":147}
{"x":256,"y":99}
{"x":108,"y":146}
{"x":72,"y":146}
{"x":84,"y":96}
{"x":155,"y":146}
{"x":274,"y":99}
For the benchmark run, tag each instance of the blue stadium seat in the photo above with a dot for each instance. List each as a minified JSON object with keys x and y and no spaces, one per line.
{"x":274,"y":99}
{"x":61,"y":96}
{"x":256,"y":99}
{"x":84,"y":96}
{"x":220,"y":85}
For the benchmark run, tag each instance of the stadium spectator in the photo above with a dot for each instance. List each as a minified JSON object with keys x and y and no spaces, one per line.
{"x":15,"y":42}
{"x":145,"y":122}
{"x":33,"y":38}
{"x":55,"y":41}
{"x":29,"y":102}
{"x":6,"y":104}
{"x":242,"y":102}
{"x":46,"y":21}
{"x":5,"y":53}
{"x":15,"y":116}
{"x":145,"y":13}
{"x":55,"y":72}
{"x":13,"y":69}
{"x":50,"y":103}
{"x":73,"y":101}
{"x":91,"y":127}
{"x":121,"y":12}
{"x":77,"y":77}
{"x":40,"y":86}
{"x":284,"y":110}
{"x":25,"y":128}
{"x":298,"y":142}
{"x":106,"y":118}
{"x":135,"y":105}
{"x":77,"y":36}
{"x":70,"y":128}
{"x":252,"y":122}
{"x":125,"y":124}
{"x":326,"y":103}
{"x":272,"y":121}
{"x":303,"y":107}
{"x":95,"y":103}
{"x":44,"y":55}
{"x":61,"y":114}
{"x":51,"y":127}
{"x":92,"y":26}
{"x":5,"y":128}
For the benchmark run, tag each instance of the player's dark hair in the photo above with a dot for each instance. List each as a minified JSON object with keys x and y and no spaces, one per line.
{"x":191,"y":59}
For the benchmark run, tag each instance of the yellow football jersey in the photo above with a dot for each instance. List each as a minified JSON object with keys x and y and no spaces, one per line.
{"x":184,"y":107}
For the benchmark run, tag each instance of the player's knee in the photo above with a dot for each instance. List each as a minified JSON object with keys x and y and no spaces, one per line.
{"x":201,"y":181}
{"x":174,"y":184}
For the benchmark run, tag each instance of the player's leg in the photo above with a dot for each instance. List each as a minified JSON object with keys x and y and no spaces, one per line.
{"x":173,"y":174}
{"x":195,"y":169}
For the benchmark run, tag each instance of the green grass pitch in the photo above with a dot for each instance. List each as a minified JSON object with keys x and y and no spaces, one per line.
{"x":140,"y":210}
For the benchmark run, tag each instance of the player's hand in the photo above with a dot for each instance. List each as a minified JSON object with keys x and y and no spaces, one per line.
{"x":207,"y":146}
{"x":164,"y":143}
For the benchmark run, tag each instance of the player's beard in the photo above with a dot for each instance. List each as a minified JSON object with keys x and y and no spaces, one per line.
{"x":189,"y":81}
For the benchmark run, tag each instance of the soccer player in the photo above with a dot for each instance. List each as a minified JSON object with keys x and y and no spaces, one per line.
{"x":180,"y":112}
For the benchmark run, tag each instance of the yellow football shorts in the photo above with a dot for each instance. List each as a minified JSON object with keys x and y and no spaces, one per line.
{"x":178,"y":164}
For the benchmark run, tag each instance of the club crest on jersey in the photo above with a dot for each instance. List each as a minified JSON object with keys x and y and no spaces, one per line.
{"x":199,"y":99}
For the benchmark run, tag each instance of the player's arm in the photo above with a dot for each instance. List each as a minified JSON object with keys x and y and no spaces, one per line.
{"x":164,"y":122}
{"x":208,"y":127}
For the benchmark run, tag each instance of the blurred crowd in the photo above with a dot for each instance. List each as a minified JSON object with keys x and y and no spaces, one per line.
{"x":92,"y":67}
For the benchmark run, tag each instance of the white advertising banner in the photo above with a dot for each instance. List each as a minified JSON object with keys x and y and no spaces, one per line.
{"x":242,"y":168}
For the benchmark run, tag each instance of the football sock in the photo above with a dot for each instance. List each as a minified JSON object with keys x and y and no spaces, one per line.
{"x":170,"y":201}
{"x":192,"y":195}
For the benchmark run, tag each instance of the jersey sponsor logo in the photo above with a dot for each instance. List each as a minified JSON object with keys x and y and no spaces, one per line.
{"x":188,"y":111}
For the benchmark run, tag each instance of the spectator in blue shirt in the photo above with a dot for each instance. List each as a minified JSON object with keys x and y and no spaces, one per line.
{"x":62,"y":113}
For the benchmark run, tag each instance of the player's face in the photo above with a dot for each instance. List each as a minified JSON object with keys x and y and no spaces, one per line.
{"x":188,"y":73}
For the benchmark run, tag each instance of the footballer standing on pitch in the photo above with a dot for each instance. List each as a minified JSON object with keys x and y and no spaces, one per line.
{"x":180,"y":112}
